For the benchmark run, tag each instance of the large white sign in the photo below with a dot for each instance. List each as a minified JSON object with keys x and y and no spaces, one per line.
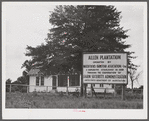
{"x":106,"y":68}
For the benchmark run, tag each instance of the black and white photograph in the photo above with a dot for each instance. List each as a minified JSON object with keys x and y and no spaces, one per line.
{"x":74,"y":60}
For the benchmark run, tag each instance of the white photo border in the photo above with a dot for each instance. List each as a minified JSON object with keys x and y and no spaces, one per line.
{"x":69,"y":113}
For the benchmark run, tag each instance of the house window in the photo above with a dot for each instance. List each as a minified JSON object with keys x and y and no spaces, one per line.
{"x":37,"y":81}
{"x":101,"y":85}
{"x":42,"y":80}
{"x":74,"y":80}
{"x":62,"y":80}
{"x":112,"y":85}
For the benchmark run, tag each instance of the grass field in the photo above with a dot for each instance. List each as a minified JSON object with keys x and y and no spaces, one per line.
{"x":57,"y":100}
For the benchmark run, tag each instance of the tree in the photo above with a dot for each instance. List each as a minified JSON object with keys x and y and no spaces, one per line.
{"x":133,"y":76}
{"x":24,"y":79}
{"x":78,"y":29}
{"x":27,"y":64}
{"x":8,"y":81}
{"x":141,"y":87}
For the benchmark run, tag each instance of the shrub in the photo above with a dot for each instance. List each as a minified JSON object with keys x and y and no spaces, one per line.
{"x":24,"y":89}
{"x":76,"y":93}
{"x":61,"y":94}
{"x":131,"y":96}
{"x":56,"y":91}
{"x":34,"y":93}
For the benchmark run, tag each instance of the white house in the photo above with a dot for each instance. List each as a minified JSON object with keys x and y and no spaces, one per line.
{"x":39,"y":82}
{"x":46,"y":83}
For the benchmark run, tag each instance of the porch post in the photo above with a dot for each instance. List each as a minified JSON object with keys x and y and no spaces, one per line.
{"x":67,"y":85}
{"x":80,"y":85}
{"x":47,"y":89}
{"x":56,"y":82}
{"x":80,"y":80}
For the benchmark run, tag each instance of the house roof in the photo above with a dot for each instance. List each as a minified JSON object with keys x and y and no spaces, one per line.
{"x":34,"y":71}
{"x":37,"y":71}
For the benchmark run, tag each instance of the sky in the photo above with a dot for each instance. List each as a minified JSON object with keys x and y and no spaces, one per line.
{"x":28,"y":24}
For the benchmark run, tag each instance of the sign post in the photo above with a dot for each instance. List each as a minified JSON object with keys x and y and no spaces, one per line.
{"x":85,"y":86}
{"x":123,"y":92}
{"x":114,"y":90}
{"x":81,"y":89}
{"x":105,"y":68}
{"x":91,"y":90}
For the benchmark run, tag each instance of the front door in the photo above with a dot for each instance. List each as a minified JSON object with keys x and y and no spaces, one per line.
{"x":53,"y":82}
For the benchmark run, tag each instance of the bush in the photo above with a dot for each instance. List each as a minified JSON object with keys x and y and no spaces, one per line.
{"x":35,"y":93}
{"x":56,"y":91}
{"x":7,"y":88}
{"x":24,"y":89}
{"x":76,"y":93}
{"x":61,"y":94}
{"x":131,"y":96}
{"x":15,"y":88}
{"x":118,"y":89}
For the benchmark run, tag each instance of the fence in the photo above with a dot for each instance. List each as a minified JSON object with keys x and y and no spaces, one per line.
{"x":17,"y":87}
{"x":99,"y":92}
{"x":31,"y":88}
